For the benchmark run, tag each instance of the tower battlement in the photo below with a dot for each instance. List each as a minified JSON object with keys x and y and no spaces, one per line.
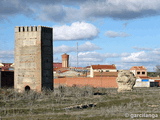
{"x":32,"y":28}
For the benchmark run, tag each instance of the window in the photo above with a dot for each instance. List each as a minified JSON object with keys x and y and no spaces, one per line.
{"x":143,"y":73}
{"x":107,"y":70}
{"x":138,"y":72}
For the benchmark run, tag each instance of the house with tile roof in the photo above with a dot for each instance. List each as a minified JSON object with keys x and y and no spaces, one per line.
{"x":142,"y":79}
{"x":103,"y":70}
{"x":139,"y":71}
{"x":7,"y":66}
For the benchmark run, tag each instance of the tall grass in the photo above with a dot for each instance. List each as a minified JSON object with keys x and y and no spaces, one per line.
{"x":50,"y":104}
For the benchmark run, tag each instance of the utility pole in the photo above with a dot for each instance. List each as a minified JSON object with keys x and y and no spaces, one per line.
{"x":101,"y":76}
{"x":77,"y":54}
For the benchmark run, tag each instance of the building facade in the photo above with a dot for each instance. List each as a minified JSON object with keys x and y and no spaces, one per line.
{"x":33,"y":58}
{"x":103,"y":70}
{"x":7,"y":66}
{"x":139,"y":71}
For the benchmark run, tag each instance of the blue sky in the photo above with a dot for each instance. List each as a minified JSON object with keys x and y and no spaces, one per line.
{"x":120,"y":32}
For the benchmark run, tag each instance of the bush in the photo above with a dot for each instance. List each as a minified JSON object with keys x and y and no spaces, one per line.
{"x":50,"y":104}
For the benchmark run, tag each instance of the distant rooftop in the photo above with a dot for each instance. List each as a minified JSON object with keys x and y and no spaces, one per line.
{"x":138,"y":68}
{"x":103,"y":66}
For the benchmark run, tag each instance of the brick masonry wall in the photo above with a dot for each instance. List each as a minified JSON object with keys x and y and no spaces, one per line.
{"x":33,"y":58}
{"x":106,"y":82}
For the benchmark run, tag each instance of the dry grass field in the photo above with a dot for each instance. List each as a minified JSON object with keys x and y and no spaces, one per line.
{"x":85,"y":103}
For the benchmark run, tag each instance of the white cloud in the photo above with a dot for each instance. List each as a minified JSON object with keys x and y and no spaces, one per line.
{"x":87,"y":46}
{"x":86,"y":59}
{"x":91,"y":55}
{"x":56,"y":59}
{"x":143,"y":57}
{"x":149,"y":59}
{"x":53,"y":13}
{"x":12,"y":7}
{"x":115,"y":55}
{"x":136,"y":57}
{"x":122,"y":9}
{"x":78,"y":10}
{"x":6,"y":56}
{"x":116,"y":9}
{"x":156,"y":51}
{"x":91,"y":58}
{"x":144,"y":49}
{"x":113,"y":34}
{"x":60,"y":13}
{"x":99,"y":57}
{"x":123,"y":60}
{"x":63,"y":49}
{"x":77,"y":31}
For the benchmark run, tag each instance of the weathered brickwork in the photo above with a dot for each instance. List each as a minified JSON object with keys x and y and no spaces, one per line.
{"x":65,"y":60}
{"x":33,"y":58}
{"x":106,"y":82}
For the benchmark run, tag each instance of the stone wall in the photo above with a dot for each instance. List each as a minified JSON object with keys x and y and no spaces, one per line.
{"x":33,"y":56}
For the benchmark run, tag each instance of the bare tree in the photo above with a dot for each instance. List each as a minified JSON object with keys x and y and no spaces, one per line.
{"x":157,"y":69}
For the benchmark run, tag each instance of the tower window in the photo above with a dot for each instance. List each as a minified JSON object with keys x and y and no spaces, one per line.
{"x":138,"y":73}
{"x":143,"y":73}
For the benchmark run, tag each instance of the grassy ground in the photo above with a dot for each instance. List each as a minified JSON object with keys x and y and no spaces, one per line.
{"x":141,"y":103}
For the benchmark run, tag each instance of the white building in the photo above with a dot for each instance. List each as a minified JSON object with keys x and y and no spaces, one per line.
{"x":139,"y":70}
{"x":102,"y":69}
{"x":143,"y":82}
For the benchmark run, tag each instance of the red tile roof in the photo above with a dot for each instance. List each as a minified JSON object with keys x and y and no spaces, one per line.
{"x":105,"y":74}
{"x":80,"y":68}
{"x":138,"y":68}
{"x":155,"y":78}
{"x":103,"y":66}
{"x":6,"y":66}
{"x":57,"y":65}
{"x":61,"y":70}
{"x":144,"y":77}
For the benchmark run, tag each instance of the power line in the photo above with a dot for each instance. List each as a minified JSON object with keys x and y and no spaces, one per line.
{"x":77,"y":54}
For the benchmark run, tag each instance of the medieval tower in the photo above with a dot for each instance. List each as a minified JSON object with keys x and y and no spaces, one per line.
{"x":33,"y":58}
{"x":65,"y":60}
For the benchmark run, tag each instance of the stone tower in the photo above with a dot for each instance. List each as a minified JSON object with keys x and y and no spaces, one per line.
{"x":33,"y":58}
{"x":65,"y":60}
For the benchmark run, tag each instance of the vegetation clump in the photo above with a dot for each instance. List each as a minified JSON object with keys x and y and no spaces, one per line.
{"x":92,"y":103}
